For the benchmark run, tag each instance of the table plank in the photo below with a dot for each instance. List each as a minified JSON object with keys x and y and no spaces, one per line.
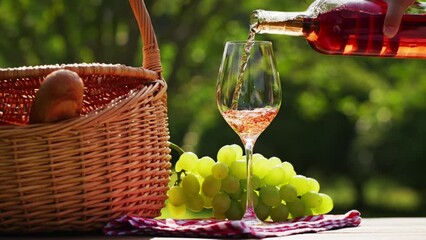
{"x":374,"y":229}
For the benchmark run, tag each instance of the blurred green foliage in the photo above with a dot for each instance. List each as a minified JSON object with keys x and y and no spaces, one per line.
{"x":357,"y":124}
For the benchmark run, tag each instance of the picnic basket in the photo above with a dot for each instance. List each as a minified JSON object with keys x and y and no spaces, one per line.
{"x":78,"y":174}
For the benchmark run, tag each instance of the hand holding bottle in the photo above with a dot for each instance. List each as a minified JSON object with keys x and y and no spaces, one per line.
{"x":395,"y":10}
{"x":353,"y":27}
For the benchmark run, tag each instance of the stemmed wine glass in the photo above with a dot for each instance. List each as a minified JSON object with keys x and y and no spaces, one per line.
{"x":248,"y":95}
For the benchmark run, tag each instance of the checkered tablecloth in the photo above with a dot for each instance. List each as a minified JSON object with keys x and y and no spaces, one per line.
{"x":133,"y":225}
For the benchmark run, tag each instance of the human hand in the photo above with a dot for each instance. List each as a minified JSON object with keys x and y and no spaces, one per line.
{"x":395,"y":10}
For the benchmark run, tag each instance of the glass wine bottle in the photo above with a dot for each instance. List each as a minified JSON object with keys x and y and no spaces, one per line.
{"x":349,"y":27}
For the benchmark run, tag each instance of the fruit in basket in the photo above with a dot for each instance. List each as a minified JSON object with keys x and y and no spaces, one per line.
{"x":279,"y":192}
{"x":59,"y":97}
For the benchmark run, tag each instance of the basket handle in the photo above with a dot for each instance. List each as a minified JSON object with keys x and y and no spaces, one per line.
{"x":150,"y":51}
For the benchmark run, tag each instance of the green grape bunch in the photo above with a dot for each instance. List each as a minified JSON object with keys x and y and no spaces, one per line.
{"x":219,"y":187}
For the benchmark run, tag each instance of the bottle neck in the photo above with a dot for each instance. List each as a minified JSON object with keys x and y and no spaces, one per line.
{"x":272,"y":22}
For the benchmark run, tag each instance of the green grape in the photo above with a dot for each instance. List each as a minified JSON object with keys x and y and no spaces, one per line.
{"x":221,"y":202}
{"x":230,"y":184}
{"x":188,"y":161}
{"x":311,"y":199}
{"x":176,"y":211}
{"x":279,"y":213}
{"x":178,"y":166}
{"x":219,"y":215}
{"x":313,"y":185}
{"x":207,"y":201}
{"x":293,"y":173}
{"x":220,"y":170}
{"x":176,"y":196}
{"x":287,"y":166}
{"x":274,"y":161}
{"x":296,"y":208}
{"x":238,"y":169}
{"x":204,"y":166}
{"x":300,"y":183}
{"x":227,"y":155}
{"x":262,"y":211}
{"x":200,"y":179}
{"x":289,"y":171}
{"x":260,"y":166}
{"x":255,"y":198}
{"x":244,"y":200}
{"x":257,"y":156}
{"x":211,"y":186}
{"x":173,"y":179}
{"x":288,"y":193}
{"x":238,"y":194}
{"x":190,"y":184}
{"x":309,"y":212}
{"x":243,"y":184}
{"x":255,"y":180}
{"x":195,"y":202}
{"x":326,"y":205}
{"x":275,"y":176}
{"x":238,"y":151}
{"x":257,"y":183}
{"x":278,"y":192}
{"x":235,"y":212}
{"x":270,"y":195}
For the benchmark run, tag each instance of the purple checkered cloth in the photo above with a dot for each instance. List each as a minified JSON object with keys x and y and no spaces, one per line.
{"x":133,"y":225}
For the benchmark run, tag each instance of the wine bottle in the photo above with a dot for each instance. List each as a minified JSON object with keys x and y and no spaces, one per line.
{"x":349,"y":27}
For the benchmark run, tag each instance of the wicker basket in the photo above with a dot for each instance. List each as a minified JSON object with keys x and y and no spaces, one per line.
{"x":79,"y":174}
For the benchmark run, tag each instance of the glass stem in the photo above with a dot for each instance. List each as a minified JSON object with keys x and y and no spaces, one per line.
{"x":249,"y":214}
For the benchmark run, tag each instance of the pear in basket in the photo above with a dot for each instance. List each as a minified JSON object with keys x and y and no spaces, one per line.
{"x":59,"y":97}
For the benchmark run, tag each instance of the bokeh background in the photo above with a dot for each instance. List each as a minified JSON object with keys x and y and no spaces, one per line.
{"x":356,"y":124}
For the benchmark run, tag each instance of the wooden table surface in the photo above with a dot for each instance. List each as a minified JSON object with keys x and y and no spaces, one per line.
{"x":374,"y":229}
{"x":370,"y":229}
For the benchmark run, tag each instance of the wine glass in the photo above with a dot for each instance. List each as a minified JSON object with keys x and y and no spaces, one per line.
{"x":248,"y":95}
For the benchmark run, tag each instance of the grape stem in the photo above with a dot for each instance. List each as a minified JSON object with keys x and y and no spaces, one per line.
{"x":179,"y":177}
{"x":176,"y":148}
{"x":180,"y":151}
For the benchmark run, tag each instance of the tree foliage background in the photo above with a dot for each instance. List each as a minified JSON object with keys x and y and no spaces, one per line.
{"x":357,"y":124}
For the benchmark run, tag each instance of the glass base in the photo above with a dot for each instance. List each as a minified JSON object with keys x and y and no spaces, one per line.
{"x":250,"y":218}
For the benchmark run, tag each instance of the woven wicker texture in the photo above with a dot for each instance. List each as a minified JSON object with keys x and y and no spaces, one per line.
{"x":78,"y":174}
